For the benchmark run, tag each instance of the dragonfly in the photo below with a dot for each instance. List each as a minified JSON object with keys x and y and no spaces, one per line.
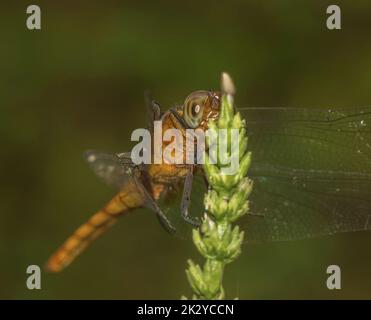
{"x":311,"y":173}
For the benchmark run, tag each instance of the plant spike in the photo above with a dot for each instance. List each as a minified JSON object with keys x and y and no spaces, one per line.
{"x":217,"y":240}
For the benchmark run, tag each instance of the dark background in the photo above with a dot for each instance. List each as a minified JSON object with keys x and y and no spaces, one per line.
{"x":78,"y":84}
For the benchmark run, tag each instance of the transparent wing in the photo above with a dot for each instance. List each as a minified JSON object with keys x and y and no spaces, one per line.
{"x":111,"y":168}
{"x":115,"y":170}
{"x":170,"y":203}
{"x":311,"y":170}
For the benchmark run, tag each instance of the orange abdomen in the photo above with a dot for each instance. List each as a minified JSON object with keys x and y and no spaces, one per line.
{"x":127,"y":199}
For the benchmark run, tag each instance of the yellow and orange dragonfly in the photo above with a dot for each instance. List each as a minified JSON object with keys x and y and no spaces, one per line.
{"x":311,"y":170}
{"x":144,"y":185}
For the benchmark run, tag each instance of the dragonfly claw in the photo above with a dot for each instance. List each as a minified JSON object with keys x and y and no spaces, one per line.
{"x":166,"y":224}
{"x":195,"y":222}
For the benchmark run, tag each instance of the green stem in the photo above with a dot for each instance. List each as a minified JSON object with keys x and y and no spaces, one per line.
{"x":218,"y":240}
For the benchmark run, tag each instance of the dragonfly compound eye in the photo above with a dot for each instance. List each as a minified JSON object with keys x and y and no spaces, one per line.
{"x":194,"y":106}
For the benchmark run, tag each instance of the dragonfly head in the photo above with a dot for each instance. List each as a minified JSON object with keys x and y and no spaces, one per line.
{"x":200,"y":107}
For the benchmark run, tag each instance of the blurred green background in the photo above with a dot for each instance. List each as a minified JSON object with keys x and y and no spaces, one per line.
{"x":78,"y":84}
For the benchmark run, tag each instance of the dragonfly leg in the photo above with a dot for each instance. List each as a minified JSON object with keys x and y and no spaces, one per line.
{"x":154,"y":206}
{"x":205,"y":179}
{"x":153,"y":107}
{"x":186,"y":199}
